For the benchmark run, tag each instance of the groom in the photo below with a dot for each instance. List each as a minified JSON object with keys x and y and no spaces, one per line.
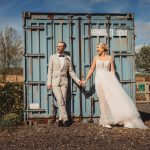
{"x":59,"y":66}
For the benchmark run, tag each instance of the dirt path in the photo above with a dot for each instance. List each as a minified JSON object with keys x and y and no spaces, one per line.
{"x":78,"y":136}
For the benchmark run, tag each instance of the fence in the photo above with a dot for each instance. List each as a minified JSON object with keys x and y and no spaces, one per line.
{"x":13,"y":78}
{"x":143,"y":92}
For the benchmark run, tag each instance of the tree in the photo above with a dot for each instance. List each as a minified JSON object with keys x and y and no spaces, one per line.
{"x":11,"y":49}
{"x":143,"y":59}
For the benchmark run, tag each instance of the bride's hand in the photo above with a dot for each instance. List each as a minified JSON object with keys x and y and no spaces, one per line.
{"x":83,"y":83}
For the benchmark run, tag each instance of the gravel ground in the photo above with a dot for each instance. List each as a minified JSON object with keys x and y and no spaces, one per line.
{"x":88,"y":136}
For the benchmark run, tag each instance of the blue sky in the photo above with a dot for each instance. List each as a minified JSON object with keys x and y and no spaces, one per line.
{"x":11,"y":12}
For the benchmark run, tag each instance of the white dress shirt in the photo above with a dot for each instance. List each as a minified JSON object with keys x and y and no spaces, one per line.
{"x":61,"y":60}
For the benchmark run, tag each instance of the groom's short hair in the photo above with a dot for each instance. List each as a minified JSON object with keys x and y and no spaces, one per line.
{"x":65,"y":45}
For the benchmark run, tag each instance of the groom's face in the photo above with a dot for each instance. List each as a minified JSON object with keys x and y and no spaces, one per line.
{"x":60,"y":48}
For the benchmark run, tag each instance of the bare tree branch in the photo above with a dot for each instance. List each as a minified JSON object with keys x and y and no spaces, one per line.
{"x":11,"y":49}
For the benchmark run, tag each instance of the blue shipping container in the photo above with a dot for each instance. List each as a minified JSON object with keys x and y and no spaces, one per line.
{"x":81,"y":32}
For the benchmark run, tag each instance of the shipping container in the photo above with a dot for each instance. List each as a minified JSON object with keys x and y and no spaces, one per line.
{"x":81,"y":32}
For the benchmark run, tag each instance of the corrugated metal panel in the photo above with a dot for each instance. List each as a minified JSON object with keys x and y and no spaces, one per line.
{"x":81,"y":32}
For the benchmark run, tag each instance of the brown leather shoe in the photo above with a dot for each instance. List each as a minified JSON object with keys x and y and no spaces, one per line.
{"x":67,"y":123}
{"x":60,"y":123}
{"x":53,"y":119}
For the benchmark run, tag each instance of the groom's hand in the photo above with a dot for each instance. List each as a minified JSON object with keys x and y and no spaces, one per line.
{"x":49,"y":86}
{"x":80,"y":83}
{"x":83,"y":84}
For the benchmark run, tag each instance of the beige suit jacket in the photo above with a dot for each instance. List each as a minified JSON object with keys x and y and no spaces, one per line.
{"x":56,"y":74}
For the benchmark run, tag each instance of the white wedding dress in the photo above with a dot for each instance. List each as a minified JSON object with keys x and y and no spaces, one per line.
{"x":116,"y":107}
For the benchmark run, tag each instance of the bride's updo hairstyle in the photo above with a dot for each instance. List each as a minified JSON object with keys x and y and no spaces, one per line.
{"x":104,"y":46}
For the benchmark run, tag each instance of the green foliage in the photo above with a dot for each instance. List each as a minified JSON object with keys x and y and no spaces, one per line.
{"x":143,"y":60}
{"x":11,"y":119}
{"x":11,"y":103}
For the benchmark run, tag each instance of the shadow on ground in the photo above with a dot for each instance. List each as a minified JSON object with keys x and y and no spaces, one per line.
{"x":145,"y":116}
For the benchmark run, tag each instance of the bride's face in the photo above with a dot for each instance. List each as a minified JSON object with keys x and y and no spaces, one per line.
{"x":99,"y":49}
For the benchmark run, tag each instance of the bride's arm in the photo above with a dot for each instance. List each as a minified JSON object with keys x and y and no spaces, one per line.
{"x":91,"y":70}
{"x":112,"y":65}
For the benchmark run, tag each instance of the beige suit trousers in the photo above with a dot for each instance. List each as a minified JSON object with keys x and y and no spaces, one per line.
{"x":60,"y":93}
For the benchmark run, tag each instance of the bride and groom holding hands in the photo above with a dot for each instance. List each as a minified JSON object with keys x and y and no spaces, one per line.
{"x":115,"y":105}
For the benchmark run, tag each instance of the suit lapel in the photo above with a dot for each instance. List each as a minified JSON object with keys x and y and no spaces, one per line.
{"x":64,"y":63}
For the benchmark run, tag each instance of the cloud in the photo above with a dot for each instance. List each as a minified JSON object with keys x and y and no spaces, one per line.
{"x":67,"y":6}
{"x":14,"y":22}
{"x":4,"y":7}
{"x":110,"y":6}
{"x":142,"y":9}
{"x":138,"y":47}
{"x":144,"y":3}
{"x":142,"y":30}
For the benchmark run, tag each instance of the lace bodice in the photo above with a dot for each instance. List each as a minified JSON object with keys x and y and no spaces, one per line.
{"x":102,"y":65}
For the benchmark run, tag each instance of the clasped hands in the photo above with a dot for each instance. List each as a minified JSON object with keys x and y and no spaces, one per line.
{"x":82,"y":83}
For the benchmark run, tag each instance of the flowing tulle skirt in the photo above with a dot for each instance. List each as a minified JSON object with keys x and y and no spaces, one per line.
{"x":116,"y":107}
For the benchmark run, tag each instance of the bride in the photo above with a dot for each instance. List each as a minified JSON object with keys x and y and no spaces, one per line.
{"x":115,"y":105}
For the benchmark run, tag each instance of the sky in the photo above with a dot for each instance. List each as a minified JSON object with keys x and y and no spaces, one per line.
{"x":11,"y":12}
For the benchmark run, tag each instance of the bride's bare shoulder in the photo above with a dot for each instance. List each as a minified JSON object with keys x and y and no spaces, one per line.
{"x":109,"y":56}
{"x":96,"y":57}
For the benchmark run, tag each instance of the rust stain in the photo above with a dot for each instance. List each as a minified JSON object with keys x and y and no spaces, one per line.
{"x":50,"y":16}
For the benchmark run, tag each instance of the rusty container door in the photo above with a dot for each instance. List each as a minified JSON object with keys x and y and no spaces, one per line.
{"x":118,"y":32}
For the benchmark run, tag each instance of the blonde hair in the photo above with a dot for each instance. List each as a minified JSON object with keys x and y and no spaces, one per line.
{"x":104,"y":46}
